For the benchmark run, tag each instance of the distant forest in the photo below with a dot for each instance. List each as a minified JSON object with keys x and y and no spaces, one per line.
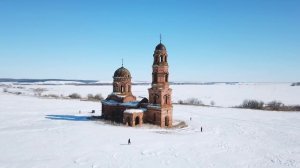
{"x":295,"y":84}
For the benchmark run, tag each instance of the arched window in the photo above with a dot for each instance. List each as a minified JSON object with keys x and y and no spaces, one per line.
{"x":161,"y":58}
{"x":155,"y":99}
{"x":166,"y":97}
{"x":166,"y":121}
{"x":137,"y":120}
{"x":116,"y":88}
{"x":122,"y":89}
{"x":155,"y":60}
{"x":155,"y":78}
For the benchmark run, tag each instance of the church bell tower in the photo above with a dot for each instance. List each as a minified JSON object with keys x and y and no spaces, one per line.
{"x":160,"y":109}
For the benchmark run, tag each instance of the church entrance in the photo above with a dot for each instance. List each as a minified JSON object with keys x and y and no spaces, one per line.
{"x":137,"y":120}
{"x":166,"y":121}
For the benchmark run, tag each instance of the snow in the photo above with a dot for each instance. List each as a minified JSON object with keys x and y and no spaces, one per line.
{"x":42,"y":132}
{"x":118,"y":94}
{"x":154,"y":106}
{"x":134,"y":111}
{"x":226,"y":95}
{"x":233,"y":95}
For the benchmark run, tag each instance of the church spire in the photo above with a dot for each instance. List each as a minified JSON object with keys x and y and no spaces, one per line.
{"x":122,"y":62}
{"x":160,"y":38}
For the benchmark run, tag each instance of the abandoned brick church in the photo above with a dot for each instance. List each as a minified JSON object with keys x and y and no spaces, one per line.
{"x":122,"y":106}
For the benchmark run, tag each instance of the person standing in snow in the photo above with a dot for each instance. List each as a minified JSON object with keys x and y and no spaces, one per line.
{"x":129,"y":141}
{"x":201,"y":129}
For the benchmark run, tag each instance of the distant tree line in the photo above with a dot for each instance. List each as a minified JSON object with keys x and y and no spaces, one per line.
{"x":96,"y":97}
{"x":273,"y":106}
{"x":295,"y":84}
{"x":89,"y":97}
{"x":191,"y":101}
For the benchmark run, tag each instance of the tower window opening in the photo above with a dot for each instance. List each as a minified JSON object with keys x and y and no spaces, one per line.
{"x":155,"y":99}
{"x":166,"y":121}
{"x":166,"y":78}
{"x":166,"y":99}
{"x":155,"y":78}
{"x":161,"y":58}
{"x":122,"y":89}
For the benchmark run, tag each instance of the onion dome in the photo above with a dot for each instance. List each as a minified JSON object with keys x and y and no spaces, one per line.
{"x":122,"y":73}
{"x":160,"y":46}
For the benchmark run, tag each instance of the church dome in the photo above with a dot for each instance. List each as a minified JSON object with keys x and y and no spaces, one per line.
{"x":160,"y":46}
{"x":122,"y":72}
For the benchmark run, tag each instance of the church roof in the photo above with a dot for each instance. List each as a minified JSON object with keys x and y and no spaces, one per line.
{"x":122,"y":72}
{"x":132,"y":104}
{"x":160,"y":46}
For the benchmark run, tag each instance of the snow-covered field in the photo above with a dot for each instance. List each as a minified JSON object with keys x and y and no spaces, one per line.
{"x":40,"y":132}
{"x":224,"y":95}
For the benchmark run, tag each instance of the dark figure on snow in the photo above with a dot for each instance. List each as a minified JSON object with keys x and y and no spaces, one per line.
{"x":129,"y":141}
{"x":201,"y":129}
{"x":190,"y":118}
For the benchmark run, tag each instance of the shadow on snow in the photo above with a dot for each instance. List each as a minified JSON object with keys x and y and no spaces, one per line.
{"x":68,"y":117}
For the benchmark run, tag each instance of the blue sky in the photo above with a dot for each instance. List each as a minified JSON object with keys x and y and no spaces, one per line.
{"x":217,"y":40}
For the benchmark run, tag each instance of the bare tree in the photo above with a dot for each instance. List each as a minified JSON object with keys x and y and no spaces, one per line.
{"x":98,"y":97}
{"x":90,"y":97}
{"x":75,"y":96}
{"x":193,"y":101}
{"x":275,"y":105}
{"x":252,"y":104}
{"x":38,"y":91}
